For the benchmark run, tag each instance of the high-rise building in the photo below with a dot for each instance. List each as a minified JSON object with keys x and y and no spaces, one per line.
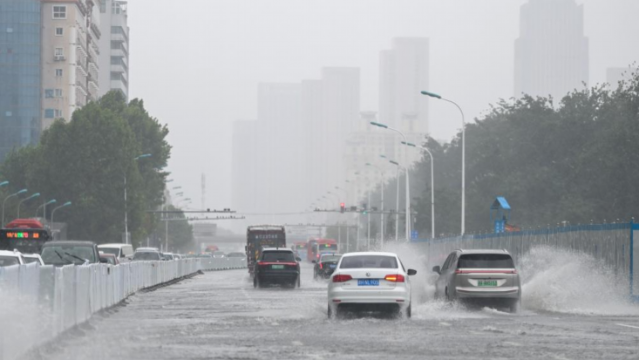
{"x":48,"y":65}
{"x":20,"y":74}
{"x":551,"y":53}
{"x":70,"y":55}
{"x":114,"y":47}
{"x":403,"y":73}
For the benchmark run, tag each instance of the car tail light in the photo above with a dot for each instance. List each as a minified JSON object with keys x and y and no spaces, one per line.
{"x":261,"y":263}
{"x":395,"y":278}
{"x":341,"y":278}
{"x":321,"y":267}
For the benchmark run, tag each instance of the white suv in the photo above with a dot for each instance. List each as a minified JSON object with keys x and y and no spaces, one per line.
{"x":370,"y":281}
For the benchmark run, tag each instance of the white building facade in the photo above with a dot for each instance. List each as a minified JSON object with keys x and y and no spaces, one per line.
{"x":114,"y":43}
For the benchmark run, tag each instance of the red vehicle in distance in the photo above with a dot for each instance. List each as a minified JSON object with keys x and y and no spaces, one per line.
{"x":317,"y":247}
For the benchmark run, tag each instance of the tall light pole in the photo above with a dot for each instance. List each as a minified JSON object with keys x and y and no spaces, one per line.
{"x":432,"y":187}
{"x":408,"y":214}
{"x":25,"y":199}
{"x":68,"y":203}
{"x":463,"y":204}
{"x":7,"y":198}
{"x":397,"y":197}
{"x":44,"y":212}
{"x":126,"y":210}
{"x":382,"y":202}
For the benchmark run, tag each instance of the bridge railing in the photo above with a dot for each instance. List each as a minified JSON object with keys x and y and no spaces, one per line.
{"x":613,"y":244}
{"x":37,"y":303}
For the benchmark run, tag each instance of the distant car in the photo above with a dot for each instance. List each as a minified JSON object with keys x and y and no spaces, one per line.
{"x":109,"y":259}
{"x":168,"y":256}
{"x":147,"y":254}
{"x":370,"y":281}
{"x":237,"y":255}
{"x":9,"y":258}
{"x":482,"y":276}
{"x":32,"y":258}
{"x":60,"y":253}
{"x":121,"y":251}
{"x":325,"y":266}
{"x":277,"y":266}
{"x":218,"y":254}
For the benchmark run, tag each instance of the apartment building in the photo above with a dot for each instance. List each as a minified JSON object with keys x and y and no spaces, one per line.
{"x":114,"y":46}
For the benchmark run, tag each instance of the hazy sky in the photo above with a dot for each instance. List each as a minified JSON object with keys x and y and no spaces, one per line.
{"x":196,"y":63}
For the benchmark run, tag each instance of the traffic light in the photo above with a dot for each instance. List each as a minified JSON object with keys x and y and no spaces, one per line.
{"x":342,"y":206}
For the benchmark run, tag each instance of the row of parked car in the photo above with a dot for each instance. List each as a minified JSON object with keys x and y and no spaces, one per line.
{"x":60,"y":253}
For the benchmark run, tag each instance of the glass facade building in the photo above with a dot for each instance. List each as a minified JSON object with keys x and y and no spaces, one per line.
{"x":20,"y":74}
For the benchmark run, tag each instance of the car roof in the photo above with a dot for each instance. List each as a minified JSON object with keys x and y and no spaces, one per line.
{"x":147,"y":249}
{"x":68,"y":242}
{"x":114,"y":245}
{"x":10,"y":253}
{"x":363,"y":253}
{"x":482,"y":251}
{"x":277,"y":249}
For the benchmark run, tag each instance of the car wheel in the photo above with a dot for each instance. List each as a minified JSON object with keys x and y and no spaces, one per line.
{"x":448,"y":299}
{"x":299,"y":282}
{"x":409,"y":311}
{"x":255,"y":282}
{"x":329,"y":312}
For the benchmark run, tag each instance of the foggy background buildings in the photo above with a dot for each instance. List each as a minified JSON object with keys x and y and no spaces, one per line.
{"x":304,"y":77}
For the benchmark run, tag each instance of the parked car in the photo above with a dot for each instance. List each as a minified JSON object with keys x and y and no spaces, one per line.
{"x":218,"y":255}
{"x":32,"y":258}
{"x":168,"y":256}
{"x":277,"y":266}
{"x":9,"y":258}
{"x":147,"y":254}
{"x":109,"y":259}
{"x":67,"y":252}
{"x":481,"y":276}
{"x":372,"y":282}
{"x":121,"y":251}
{"x":325,"y":266}
{"x":240,"y":255}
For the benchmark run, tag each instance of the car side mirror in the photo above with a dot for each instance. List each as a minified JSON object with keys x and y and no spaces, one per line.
{"x":298,"y":258}
{"x":437,"y":269}
{"x":412,"y":272}
{"x":314,"y":262}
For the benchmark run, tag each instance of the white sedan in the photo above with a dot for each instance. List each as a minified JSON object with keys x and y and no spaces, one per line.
{"x":370,"y":281}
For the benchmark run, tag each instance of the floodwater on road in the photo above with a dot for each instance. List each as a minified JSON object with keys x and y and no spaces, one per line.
{"x":219,"y":315}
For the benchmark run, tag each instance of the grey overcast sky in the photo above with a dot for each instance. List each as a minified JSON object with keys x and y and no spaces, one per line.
{"x":197,"y":63}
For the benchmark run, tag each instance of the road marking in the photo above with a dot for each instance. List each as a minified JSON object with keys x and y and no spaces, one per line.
{"x":629,"y":326}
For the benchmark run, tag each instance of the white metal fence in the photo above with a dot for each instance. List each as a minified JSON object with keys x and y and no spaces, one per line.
{"x":37,"y":303}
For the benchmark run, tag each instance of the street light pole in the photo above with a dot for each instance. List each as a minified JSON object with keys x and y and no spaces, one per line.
{"x":68,"y":203}
{"x":397,"y":202}
{"x":381,"y":224}
{"x":7,"y":198}
{"x":463,"y":211}
{"x":44,"y":212}
{"x":408,"y":214}
{"x":25,"y":199}
{"x":432,"y":188}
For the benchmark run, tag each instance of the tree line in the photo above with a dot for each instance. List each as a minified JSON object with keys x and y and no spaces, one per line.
{"x":572,"y":162}
{"x":89,"y":160}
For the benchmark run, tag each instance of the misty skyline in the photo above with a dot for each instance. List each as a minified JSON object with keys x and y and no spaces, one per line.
{"x":212,"y":66}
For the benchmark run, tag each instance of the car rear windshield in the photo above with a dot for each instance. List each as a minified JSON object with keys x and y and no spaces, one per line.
{"x":330,"y":258}
{"x":114,"y":251}
{"x":9,"y":260}
{"x":146,"y":255}
{"x":235,"y":255}
{"x":68,"y":254}
{"x":29,"y":260}
{"x":281,"y":256}
{"x":369,"y":262}
{"x":486,"y":261}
